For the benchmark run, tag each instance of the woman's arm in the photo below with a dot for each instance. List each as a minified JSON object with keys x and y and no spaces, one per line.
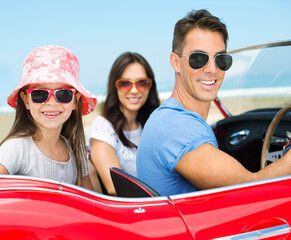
{"x":94,"y":178}
{"x":86,"y":183}
{"x":104,"y":156}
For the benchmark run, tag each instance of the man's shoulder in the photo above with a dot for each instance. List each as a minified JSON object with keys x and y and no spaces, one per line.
{"x":172,"y":111}
{"x":170,"y":103}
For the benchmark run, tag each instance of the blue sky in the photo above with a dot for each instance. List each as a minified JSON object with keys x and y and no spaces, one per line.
{"x":99,"y":31}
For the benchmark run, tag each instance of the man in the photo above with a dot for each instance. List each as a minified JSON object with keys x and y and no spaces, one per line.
{"x":178,"y":152}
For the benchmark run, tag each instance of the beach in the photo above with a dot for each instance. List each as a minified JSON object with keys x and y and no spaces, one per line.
{"x":235,"y":105}
{"x":7,"y":119}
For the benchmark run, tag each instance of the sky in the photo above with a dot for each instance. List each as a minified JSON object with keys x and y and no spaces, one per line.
{"x":99,"y":31}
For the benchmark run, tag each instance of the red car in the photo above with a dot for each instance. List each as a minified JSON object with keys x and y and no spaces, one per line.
{"x":32,"y":208}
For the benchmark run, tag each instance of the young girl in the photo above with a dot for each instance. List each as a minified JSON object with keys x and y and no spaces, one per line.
{"x":47,"y":137}
{"x":131,"y":98}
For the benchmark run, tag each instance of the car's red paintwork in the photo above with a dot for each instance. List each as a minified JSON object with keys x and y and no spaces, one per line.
{"x":33,"y":209}
{"x":39,"y":209}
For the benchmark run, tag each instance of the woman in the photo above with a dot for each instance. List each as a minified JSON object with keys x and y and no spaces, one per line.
{"x":114,"y":135}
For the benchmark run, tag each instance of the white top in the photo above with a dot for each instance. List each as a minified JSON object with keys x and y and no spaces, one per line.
{"x":101,"y":129}
{"x":20,"y":156}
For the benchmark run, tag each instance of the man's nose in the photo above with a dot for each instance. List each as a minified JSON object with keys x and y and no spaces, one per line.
{"x":211,"y":65}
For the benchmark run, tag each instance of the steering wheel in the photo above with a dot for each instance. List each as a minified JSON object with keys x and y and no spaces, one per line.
{"x":272,"y":156}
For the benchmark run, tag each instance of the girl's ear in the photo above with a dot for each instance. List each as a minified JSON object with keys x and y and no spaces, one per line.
{"x":25,"y":99}
{"x":77,"y":97}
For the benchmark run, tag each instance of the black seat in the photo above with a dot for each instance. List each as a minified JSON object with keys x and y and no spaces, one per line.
{"x":127,"y":185}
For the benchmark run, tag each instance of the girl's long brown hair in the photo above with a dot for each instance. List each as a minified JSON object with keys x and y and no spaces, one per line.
{"x":24,"y":126}
{"x":111,"y":110}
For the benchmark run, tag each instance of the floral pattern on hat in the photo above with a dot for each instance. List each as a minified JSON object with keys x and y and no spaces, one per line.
{"x":53,"y":64}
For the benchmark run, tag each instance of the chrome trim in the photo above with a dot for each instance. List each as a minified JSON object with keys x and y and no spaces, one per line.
{"x":107,"y":197}
{"x":227,"y":188}
{"x":260,"y":234}
{"x":274,"y":156}
{"x":148,"y":199}
{"x":217,"y":99}
{"x":279,"y":140}
{"x":85,"y":198}
{"x":261,"y":46}
{"x":139,"y":210}
{"x":238,"y":137}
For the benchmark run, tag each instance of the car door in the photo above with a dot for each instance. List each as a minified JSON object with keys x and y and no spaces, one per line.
{"x":36,"y":209}
{"x":257,"y":210}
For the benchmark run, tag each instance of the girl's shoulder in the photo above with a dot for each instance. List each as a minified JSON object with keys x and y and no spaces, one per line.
{"x":16,"y":145}
{"x":18,"y":141}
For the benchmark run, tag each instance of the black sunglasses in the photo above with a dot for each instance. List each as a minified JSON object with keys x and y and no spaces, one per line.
{"x":63,"y":95}
{"x":198,"y":60}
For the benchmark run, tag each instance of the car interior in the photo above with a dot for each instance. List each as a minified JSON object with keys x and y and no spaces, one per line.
{"x":242,"y":136}
{"x":127,"y":185}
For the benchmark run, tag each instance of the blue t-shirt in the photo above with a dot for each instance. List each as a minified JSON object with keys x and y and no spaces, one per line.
{"x":170,"y":132}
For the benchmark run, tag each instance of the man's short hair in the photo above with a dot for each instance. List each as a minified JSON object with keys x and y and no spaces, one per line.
{"x":196,"y":19}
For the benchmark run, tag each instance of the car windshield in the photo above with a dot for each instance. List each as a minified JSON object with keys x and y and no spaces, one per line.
{"x":260,"y":77}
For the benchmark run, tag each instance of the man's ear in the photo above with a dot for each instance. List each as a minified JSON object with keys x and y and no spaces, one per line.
{"x":25,"y":99}
{"x":175,"y":62}
{"x":77,"y":97}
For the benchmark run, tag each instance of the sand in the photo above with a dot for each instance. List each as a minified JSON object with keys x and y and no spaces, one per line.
{"x":235,"y":106}
{"x":7,"y":119}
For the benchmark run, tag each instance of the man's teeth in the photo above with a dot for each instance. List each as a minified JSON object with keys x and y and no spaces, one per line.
{"x":208,"y":82}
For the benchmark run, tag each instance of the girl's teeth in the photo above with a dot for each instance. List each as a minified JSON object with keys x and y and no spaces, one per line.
{"x":51,"y":114}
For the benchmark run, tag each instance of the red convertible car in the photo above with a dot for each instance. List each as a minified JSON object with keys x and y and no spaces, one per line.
{"x":32,"y":208}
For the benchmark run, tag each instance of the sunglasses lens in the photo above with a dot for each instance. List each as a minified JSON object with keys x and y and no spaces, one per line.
{"x":143,"y":85}
{"x":64,"y":95}
{"x":198,"y":60}
{"x":39,"y":96}
{"x":124,"y":85}
{"x":223,"y":61}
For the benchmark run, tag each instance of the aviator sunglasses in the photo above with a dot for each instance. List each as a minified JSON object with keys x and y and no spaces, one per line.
{"x":63,"y":95}
{"x":125,"y":85}
{"x":198,"y":60}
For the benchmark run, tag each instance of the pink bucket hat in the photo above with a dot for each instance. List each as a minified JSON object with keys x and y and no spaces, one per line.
{"x":53,"y":64}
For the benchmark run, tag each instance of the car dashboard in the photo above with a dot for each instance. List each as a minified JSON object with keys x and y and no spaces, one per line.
{"x":242,"y":136}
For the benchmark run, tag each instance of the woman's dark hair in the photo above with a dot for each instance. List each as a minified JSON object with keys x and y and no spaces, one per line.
{"x":111,"y":108}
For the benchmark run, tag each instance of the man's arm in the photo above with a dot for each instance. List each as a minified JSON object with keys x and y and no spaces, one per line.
{"x":208,"y":167}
